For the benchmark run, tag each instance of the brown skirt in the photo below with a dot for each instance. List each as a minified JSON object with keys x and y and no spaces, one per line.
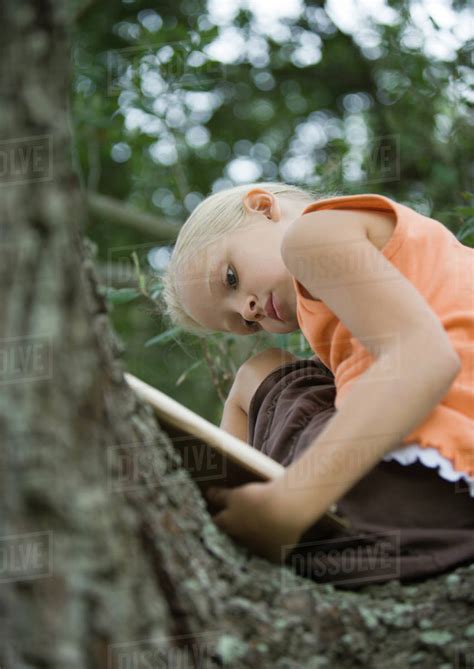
{"x":404,"y":521}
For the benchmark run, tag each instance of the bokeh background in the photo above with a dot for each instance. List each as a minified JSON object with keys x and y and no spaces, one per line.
{"x":175,"y":100}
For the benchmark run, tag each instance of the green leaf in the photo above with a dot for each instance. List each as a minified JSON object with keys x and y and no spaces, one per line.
{"x":465,"y":231}
{"x":186,"y":373}
{"x":465,"y":211}
{"x":121,"y":295}
{"x":139,"y":273}
{"x":163,"y":337}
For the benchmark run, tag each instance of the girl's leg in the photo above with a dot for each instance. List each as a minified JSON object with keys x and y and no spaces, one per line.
{"x":248,"y":378}
{"x":235,"y":421}
{"x":254,"y":371}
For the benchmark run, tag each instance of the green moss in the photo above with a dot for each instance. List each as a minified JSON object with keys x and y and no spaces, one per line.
{"x":417,"y":658}
{"x":436,"y":637}
{"x":396,"y":620}
{"x":425,"y":623}
{"x":469,"y":631}
{"x":369,"y":619}
{"x":399,"y":609}
{"x":318,"y":662}
{"x":192,"y":584}
{"x":230,"y":648}
{"x":410,"y":590}
{"x":453,"y":579}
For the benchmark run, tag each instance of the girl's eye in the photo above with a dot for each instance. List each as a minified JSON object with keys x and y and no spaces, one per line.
{"x":253,"y":326}
{"x":232,"y":285}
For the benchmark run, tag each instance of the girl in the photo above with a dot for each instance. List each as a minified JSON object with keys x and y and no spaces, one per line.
{"x":385,"y":298}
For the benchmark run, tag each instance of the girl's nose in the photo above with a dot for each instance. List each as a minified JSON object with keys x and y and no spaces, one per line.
{"x":251,"y":310}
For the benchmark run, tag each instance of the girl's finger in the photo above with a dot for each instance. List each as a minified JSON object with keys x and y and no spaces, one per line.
{"x":218,"y":495}
{"x":220,"y":520}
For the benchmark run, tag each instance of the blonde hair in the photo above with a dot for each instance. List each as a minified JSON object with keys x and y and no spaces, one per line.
{"x":215,"y":216}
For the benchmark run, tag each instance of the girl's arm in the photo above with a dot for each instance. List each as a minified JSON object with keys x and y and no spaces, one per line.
{"x":373,"y":419}
{"x":414,"y":365}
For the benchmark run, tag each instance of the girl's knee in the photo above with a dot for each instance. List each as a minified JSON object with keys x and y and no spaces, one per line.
{"x":254,"y":370}
{"x":265,"y":362}
{"x":269,"y":357}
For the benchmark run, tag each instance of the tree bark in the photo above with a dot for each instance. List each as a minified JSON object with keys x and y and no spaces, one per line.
{"x":108,"y":556}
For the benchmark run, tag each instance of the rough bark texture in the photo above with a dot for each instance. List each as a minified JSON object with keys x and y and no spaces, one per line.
{"x":136,"y":573}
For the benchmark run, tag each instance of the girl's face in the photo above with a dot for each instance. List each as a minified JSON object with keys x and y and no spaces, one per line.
{"x":240,"y":283}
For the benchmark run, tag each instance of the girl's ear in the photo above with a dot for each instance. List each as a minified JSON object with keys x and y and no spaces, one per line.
{"x":261,"y":201}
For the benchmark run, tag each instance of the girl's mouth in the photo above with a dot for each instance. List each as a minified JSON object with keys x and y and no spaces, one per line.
{"x":277,"y":308}
{"x":271,"y":309}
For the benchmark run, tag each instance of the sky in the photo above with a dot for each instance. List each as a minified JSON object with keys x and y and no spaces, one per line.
{"x":435,"y":28}
{"x":357,"y":17}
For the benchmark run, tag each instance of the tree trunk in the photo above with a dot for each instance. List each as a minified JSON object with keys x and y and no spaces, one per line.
{"x":108,"y":558}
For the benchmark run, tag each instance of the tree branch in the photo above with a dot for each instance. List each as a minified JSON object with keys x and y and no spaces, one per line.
{"x":104,"y":207}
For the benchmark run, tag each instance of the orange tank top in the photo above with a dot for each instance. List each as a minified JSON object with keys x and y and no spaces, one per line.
{"x":442,"y":269}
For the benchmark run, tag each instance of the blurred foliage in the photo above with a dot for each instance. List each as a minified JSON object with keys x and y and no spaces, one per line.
{"x":175,"y":100}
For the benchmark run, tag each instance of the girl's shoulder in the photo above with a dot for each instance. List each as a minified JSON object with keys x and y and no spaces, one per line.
{"x":379,"y":226}
{"x":376,"y":224}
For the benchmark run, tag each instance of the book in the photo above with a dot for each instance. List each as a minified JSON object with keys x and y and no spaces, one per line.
{"x":213,"y":456}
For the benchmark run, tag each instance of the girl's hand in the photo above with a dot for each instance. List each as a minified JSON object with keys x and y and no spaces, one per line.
{"x":259,"y":516}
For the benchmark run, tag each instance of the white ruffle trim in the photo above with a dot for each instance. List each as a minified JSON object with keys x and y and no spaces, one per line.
{"x":430,"y":457}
